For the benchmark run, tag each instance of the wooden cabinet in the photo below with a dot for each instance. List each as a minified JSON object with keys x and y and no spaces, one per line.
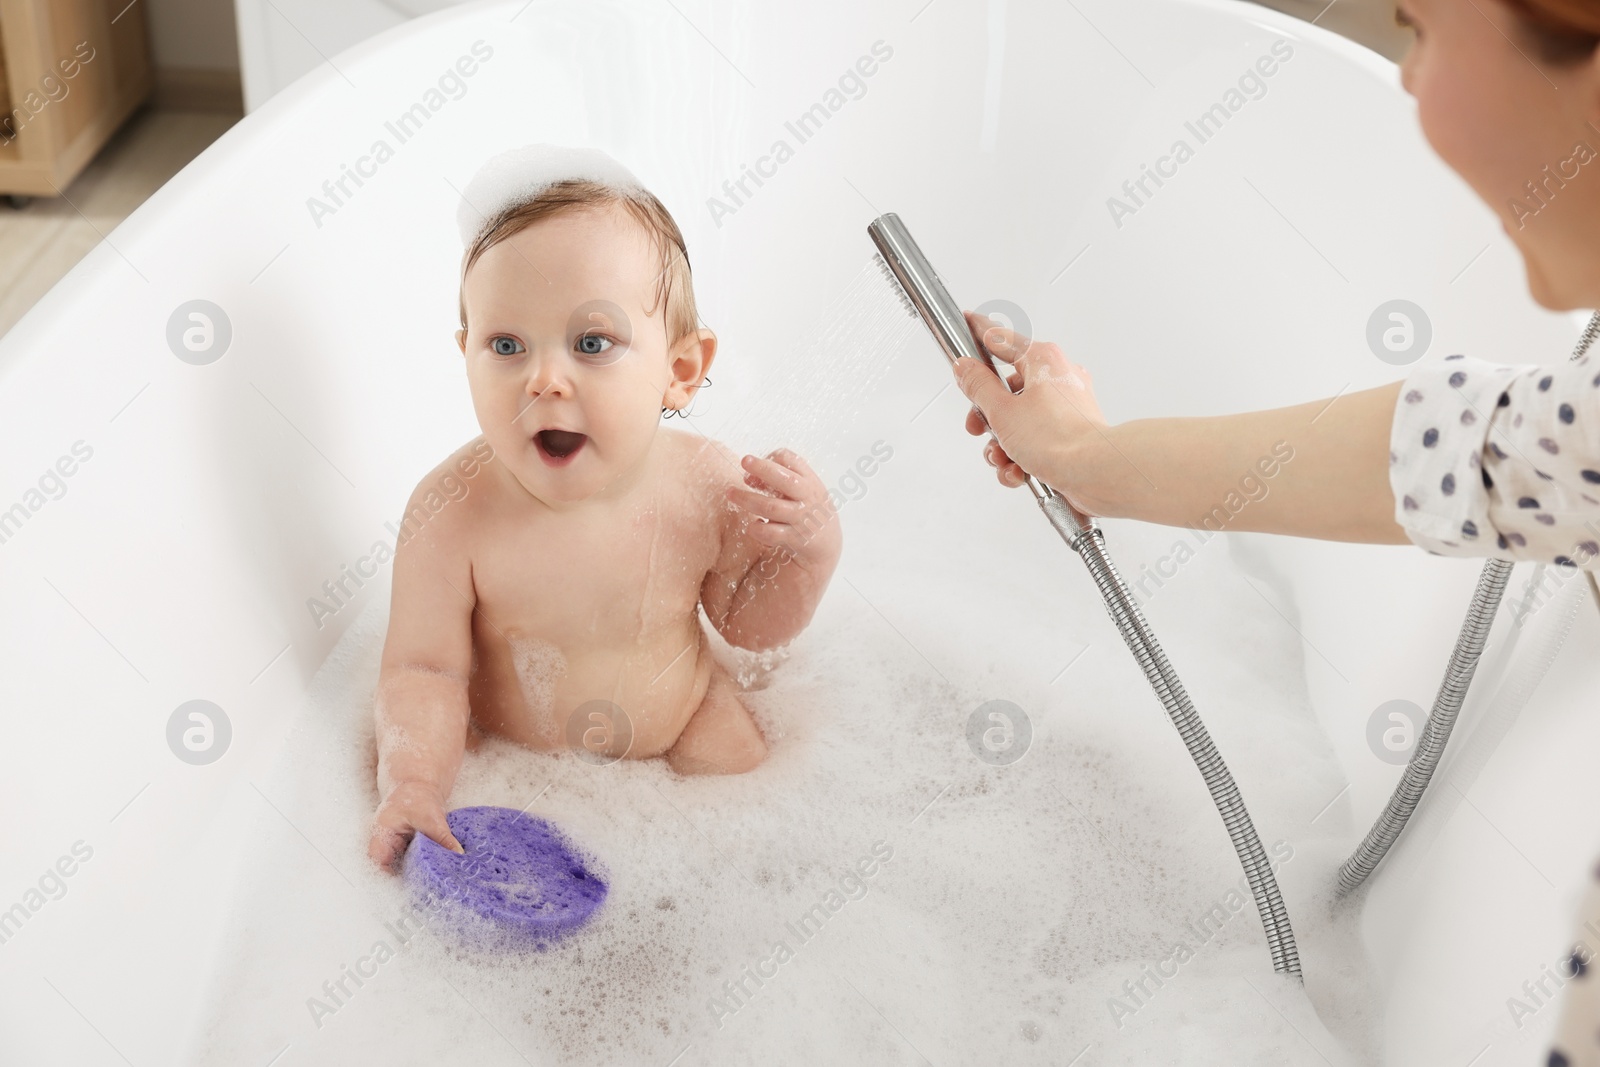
{"x":74,"y":70}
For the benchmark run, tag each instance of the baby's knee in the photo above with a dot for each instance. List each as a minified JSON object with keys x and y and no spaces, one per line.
{"x":724,"y":760}
{"x":733,"y":745}
{"x":747,"y":754}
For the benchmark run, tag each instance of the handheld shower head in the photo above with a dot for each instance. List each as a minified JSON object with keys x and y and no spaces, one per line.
{"x":924,"y":289}
{"x":925,"y":295}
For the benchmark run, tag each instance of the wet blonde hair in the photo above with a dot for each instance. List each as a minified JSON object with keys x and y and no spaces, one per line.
{"x":674,"y":283}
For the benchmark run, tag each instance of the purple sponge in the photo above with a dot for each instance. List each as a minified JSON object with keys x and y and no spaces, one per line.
{"x":520,"y":883}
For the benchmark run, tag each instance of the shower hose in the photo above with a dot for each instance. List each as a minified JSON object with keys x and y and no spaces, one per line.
{"x":924,"y":295}
{"x":1130,"y":622}
{"x":1446,"y":705}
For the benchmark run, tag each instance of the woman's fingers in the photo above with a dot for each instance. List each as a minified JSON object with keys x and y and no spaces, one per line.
{"x":1006,"y":469}
{"x":981,"y":386}
{"x":1034,"y":360}
{"x":1001,"y":342}
{"x":1033,"y":399}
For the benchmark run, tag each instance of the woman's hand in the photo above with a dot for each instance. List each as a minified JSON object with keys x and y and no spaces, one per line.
{"x":1039,"y":427}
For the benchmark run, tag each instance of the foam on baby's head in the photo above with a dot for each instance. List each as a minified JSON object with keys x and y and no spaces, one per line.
{"x":518,"y":188}
{"x":520,"y":175}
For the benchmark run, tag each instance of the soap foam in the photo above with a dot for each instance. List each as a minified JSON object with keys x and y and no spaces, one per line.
{"x":539,"y":665}
{"x":519,"y":174}
{"x":1017,"y":903}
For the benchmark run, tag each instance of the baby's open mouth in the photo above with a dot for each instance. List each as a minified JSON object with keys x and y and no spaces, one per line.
{"x":559,"y":445}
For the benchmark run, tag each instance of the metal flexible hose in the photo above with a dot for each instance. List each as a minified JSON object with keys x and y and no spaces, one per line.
{"x":1130,"y":621}
{"x":1517,"y":661}
{"x":1441,"y":720}
{"x":1446,"y":705}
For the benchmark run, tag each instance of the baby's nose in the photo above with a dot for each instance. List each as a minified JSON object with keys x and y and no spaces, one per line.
{"x":547,"y":376}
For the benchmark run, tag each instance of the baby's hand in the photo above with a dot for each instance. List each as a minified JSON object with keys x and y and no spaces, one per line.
{"x":409,"y":807}
{"x":800,"y":519}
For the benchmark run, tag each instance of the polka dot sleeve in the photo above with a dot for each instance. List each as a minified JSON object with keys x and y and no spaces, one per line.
{"x":1493,"y":460}
{"x":1577,"y":1040}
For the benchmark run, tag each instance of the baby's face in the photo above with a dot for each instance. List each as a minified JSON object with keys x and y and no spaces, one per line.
{"x":568,"y":372}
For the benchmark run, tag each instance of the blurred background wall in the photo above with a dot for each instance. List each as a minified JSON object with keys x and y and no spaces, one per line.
{"x":214,"y":60}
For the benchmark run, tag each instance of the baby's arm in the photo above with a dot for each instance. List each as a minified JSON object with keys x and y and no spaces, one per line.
{"x":422,"y":711}
{"x":780,"y":546}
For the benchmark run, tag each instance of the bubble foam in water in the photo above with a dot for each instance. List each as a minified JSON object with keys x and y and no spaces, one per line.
{"x":872,"y":893}
{"x":539,"y":665}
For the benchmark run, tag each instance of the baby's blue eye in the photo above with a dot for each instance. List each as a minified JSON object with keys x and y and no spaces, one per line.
{"x":592,"y":344}
{"x":505,"y":346}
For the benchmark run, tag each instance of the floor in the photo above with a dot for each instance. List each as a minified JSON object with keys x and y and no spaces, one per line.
{"x":40,"y":243}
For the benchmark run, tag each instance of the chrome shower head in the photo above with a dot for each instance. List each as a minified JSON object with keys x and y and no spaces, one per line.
{"x":923,"y":290}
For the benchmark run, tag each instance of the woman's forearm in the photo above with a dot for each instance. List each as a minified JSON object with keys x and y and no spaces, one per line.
{"x":1314,"y":470}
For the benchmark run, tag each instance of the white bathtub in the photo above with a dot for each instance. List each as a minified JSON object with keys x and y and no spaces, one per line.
{"x":175,"y":562}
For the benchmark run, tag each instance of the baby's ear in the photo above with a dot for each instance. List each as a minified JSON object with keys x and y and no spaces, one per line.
{"x":690,"y":360}
{"x":461,"y":340}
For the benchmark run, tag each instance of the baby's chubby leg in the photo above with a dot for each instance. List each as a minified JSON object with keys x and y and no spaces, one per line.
{"x":720,"y":737}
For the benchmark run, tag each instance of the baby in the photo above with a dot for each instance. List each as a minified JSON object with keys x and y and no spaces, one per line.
{"x":556,"y":602}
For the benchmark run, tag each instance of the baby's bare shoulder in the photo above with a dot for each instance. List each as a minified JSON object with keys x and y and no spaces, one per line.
{"x":706,"y":468}
{"x":444,"y":500}
{"x":703,"y":461}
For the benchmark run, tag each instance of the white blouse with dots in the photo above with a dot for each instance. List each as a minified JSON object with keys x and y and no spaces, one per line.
{"x":1494,"y":460}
